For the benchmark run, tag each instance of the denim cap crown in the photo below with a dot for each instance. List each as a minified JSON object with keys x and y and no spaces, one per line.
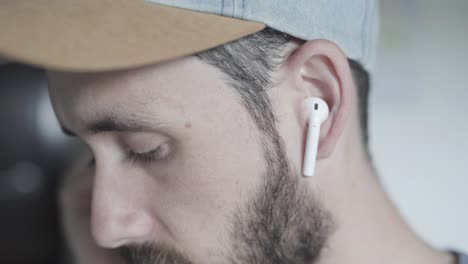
{"x":352,"y":25}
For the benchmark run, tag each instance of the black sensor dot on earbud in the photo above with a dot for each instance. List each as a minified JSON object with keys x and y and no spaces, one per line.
{"x":316,"y":106}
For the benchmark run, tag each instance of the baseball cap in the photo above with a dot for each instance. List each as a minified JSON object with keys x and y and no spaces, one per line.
{"x":102,"y":35}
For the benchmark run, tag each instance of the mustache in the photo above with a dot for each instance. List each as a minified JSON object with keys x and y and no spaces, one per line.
{"x":152,"y":254}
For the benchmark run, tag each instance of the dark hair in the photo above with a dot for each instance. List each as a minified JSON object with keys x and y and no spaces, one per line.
{"x":247,"y":64}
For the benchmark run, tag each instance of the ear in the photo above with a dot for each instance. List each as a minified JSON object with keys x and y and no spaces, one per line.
{"x":319,"y":68}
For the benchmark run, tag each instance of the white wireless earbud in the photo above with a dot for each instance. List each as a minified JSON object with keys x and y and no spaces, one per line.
{"x":318,"y":113}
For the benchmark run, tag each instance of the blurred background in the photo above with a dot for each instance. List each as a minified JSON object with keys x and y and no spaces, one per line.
{"x":418,"y":122}
{"x":419,"y":115}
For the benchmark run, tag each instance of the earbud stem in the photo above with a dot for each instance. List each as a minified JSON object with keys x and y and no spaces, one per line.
{"x":310,"y":155}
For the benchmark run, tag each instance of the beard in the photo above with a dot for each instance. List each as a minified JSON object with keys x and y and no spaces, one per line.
{"x":283,"y":222}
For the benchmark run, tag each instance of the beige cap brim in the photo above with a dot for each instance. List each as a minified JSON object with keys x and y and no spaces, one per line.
{"x":101,"y":35}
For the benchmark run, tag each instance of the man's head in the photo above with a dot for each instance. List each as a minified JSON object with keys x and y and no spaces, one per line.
{"x":199,"y":158}
{"x":197,"y":127}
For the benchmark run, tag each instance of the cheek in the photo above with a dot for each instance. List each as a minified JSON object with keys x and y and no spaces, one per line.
{"x":215,"y":170}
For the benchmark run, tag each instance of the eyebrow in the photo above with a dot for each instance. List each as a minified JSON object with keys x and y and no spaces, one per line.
{"x":113,"y":123}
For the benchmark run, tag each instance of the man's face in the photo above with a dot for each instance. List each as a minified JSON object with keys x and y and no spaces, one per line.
{"x":182,"y":174}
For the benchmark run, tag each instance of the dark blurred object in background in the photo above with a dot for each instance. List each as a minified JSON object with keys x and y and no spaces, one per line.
{"x":32,"y":156}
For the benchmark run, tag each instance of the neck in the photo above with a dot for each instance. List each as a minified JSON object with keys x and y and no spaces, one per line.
{"x":368,"y":227}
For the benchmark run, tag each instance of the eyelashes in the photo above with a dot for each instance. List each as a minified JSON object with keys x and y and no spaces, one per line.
{"x":162,"y":152}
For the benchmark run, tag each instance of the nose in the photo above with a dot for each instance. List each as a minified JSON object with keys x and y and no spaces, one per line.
{"x":118,"y":213}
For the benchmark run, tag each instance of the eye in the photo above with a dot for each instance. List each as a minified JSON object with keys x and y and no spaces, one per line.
{"x":160,"y":153}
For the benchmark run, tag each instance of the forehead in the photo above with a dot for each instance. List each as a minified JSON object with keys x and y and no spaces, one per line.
{"x":175,"y":85}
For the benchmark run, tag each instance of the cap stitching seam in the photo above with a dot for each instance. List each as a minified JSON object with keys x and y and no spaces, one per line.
{"x":222,"y":7}
{"x":233,"y":8}
{"x":243,"y":8}
{"x":364,"y":31}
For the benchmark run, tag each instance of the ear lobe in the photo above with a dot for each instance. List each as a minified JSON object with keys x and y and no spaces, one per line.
{"x":320,"y":69}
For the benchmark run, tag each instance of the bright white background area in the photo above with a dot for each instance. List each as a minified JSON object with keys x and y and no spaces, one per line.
{"x":419,"y":115}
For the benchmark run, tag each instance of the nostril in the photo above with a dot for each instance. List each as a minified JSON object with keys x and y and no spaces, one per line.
{"x":117,"y":229}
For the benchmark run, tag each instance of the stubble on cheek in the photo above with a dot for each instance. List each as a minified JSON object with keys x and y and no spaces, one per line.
{"x":283,"y":222}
